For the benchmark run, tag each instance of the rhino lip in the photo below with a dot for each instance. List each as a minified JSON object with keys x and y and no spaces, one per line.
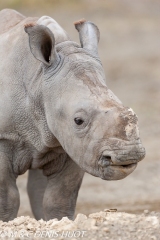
{"x":122,"y":166}
{"x":116,"y":167}
{"x":116,"y":172}
{"x":106,"y":161}
{"x":126,"y":166}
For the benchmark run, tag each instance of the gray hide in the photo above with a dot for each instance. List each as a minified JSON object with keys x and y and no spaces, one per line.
{"x":57,"y":116}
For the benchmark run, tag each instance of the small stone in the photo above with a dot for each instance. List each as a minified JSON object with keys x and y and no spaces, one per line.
{"x":51,"y":221}
{"x":30,"y":227}
{"x":80,"y":218}
{"x":19,"y":221}
{"x":66,"y":227}
{"x":63,"y":223}
{"x":90,"y":224}
{"x":153,"y":220}
{"x":146,"y":211}
{"x":54,"y":223}
{"x":153,"y":238}
{"x":105,"y":223}
{"x":22,"y":226}
{"x":41,"y":221}
{"x":153,"y":212}
{"x":106,"y":229}
{"x":94,"y":228}
{"x":110,"y":210}
{"x":100,"y":217}
{"x":33,"y":221}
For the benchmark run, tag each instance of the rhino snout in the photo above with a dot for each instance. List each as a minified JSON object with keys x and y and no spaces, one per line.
{"x":117,"y":163}
{"x":127,"y":155}
{"x":132,"y":154}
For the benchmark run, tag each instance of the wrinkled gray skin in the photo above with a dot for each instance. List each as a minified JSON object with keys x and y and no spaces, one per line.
{"x":57,"y":116}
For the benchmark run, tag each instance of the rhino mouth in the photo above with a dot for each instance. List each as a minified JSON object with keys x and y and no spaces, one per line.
{"x":113,"y":166}
{"x":105,"y":161}
{"x":127,"y":166}
{"x":116,"y":172}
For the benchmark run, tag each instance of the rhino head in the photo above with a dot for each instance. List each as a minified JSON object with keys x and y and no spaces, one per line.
{"x":88,"y":120}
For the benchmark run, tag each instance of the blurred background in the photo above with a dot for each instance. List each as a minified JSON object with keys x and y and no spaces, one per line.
{"x":130,"y":52}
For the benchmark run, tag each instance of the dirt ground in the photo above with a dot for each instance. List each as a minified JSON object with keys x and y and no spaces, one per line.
{"x":102,"y":225}
{"x":130,"y":52}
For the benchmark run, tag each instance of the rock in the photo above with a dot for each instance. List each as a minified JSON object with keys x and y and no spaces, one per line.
{"x":153,"y":238}
{"x":51,"y":221}
{"x":30,"y":227}
{"x":80,"y":218}
{"x":154,"y":221}
{"x":146,"y":211}
{"x":54,"y":223}
{"x":64,"y":224}
{"x":41,"y":221}
{"x":100,"y":217}
{"x":18,"y":221}
{"x":110,"y":210}
{"x":87,"y":224}
{"x":105,"y":229}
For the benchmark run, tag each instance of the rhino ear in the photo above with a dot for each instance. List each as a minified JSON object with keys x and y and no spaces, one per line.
{"x":42,"y":43}
{"x":89,"y":36}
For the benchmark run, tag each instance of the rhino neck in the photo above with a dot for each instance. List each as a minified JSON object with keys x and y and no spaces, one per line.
{"x":26,"y":89}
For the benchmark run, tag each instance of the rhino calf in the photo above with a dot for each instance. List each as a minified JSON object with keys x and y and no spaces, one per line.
{"x":58,"y":119}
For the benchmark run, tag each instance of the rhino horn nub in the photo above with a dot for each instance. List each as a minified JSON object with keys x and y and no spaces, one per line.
{"x":89,"y":35}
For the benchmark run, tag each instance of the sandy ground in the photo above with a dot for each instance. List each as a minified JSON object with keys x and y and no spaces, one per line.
{"x":102,"y":225}
{"x":130,"y":53}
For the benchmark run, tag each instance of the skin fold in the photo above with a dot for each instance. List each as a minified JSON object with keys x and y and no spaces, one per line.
{"x":58,"y":117}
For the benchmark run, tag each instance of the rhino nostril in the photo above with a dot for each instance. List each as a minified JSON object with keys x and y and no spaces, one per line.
{"x":107,"y":157}
{"x":105,"y":161}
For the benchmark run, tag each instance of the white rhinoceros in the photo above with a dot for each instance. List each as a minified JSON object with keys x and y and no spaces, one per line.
{"x":57,"y":116}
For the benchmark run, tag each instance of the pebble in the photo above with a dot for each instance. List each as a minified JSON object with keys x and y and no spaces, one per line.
{"x":110,"y":210}
{"x":106,"y":229}
{"x":19,"y":220}
{"x":80,"y":218}
{"x":146,"y":211}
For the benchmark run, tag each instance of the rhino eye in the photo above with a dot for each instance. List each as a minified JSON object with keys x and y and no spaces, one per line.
{"x":78,"y":121}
